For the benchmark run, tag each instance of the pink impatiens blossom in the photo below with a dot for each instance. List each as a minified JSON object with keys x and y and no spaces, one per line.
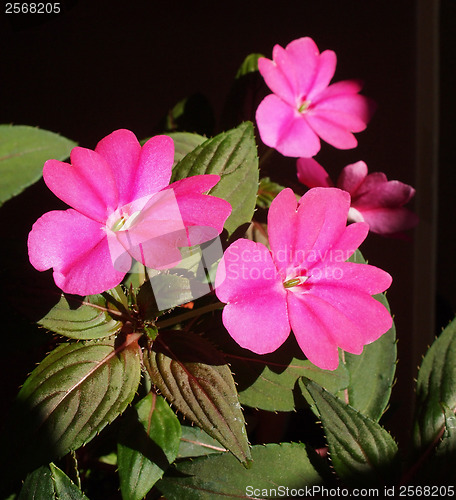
{"x":304,"y":283}
{"x":122,"y":207}
{"x":374,"y":199}
{"x":303,"y":106}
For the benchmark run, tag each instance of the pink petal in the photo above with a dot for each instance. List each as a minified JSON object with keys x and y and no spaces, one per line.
{"x":325,"y":71}
{"x":278,"y":81}
{"x":341,"y":249}
{"x":301,"y":64}
{"x":312,"y":174}
{"x":77,"y":248}
{"x":303,"y":238}
{"x":121,"y":150}
{"x":327,"y":125}
{"x":328,"y":317}
{"x":160,"y":252}
{"x":365,"y":318}
{"x":282,"y":226}
{"x":313,"y":336}
{"x":349,"y":241}
{"x":322,"y":219}
{"x":87,"y":185}
{"x":283,"y":128}
{"x":152,"y":235}
{"x":256,"y":312}
{"x":376,"y":191}
{"x":204,"y":216}
{"x":352,"y":177}
{"x":154,"y":169}
{"x":348,"y":276}
{"x":353,"y":110}
{"x":342,"y":88}
{"x":389,"y":221}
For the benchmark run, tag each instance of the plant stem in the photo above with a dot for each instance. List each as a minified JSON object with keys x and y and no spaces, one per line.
{"x":192,"y":314}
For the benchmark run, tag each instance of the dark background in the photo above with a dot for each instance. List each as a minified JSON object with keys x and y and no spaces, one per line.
{"x":102,"y":65}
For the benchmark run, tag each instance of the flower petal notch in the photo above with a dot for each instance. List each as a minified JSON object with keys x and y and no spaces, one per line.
{"x":304,"y":107}
{"x":304,"y":283}
{"x":122,"y":208}
{"x":374,"y":199}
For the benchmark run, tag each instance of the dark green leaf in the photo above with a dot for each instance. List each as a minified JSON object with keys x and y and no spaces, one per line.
{"x":372,"y":372}
{"x":195,"y":378}
{"x":267,"y":191}
{"x":435,"y":389}
{"x":245,"y":94}
{"x":440,"y":469}
{"x":65,"y":489}
{"x":362,"y":452}
{"x":195,"y":443}
{"x":220,"y":476}
{"x":50,"y":483}
{"x":233,"y":156}
{"x":23,"y":151}
{"x":38,"y":485}
{"x":91,"y":317}
{"x":268,"y":381}
{"x":72,"y":394}
{"x":148,"y":445}
{"x":273,"y":390}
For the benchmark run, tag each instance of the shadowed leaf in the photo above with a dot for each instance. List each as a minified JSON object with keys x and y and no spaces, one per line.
{"x":194,"y":378}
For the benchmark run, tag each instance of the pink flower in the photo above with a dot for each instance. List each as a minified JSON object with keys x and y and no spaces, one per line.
{"x":374,"y":199}
{"x":304,"y":106}
{"x":122,"y":207}
{"x":303,"y":283}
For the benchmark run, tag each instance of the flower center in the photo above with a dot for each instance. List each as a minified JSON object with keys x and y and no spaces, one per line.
{"x":304,"y":106}
{"x":299,"y":280}
{"x":125,"y":222}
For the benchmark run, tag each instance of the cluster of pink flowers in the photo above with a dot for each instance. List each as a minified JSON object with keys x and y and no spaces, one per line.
{"x":304,"y":108}
{"x":123,"y":208}
{"x":327,"y":304}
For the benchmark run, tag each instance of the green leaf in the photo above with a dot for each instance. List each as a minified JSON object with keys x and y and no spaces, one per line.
{"x":195,"y":443}
{"x":184,"y":143}
{"x":91,"y":317}
{"x":362,"y":452}
{"x":50,"y":483}
{"x":71,"y":396}
{"x":23,"y":151}
{"x":274,"y":389}
{"x":372,"y":372}
{"x":249,"y":65}
{"x":233,"y":156}
{"x":439,"y":469}
{"x":267,"y":191}
{"x":195,"y":378}
{"x":219,"y":476}
{"x":148,"y":445}
{"x":65,"y":489}
{"x":268,"y":382}
{"x":38,"y":485}
{"x":435,"y":389}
